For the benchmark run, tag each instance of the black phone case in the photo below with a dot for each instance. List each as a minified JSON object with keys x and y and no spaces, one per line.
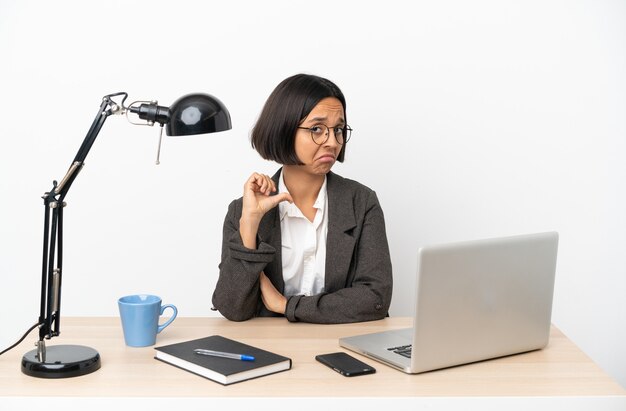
{"x":345,"y":364}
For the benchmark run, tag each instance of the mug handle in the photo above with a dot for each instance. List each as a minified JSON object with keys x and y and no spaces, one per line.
{"x":168,"y":322}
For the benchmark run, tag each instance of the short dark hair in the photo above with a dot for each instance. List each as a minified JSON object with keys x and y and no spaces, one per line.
{"x":273,"y":135}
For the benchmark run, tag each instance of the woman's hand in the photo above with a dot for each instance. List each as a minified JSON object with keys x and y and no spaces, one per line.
{"x":272,"y":299}
{"x":257,"y":200}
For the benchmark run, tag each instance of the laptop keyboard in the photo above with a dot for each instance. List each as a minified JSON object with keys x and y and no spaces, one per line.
{"x":403,"y":350}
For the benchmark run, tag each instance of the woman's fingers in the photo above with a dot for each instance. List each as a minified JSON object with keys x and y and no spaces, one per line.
{"x":278,"y":198}
{"x":267,"y":185}
{"x":260,"y":183}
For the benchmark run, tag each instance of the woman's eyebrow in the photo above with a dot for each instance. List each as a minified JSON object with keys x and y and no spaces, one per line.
{"x":322,"y":119}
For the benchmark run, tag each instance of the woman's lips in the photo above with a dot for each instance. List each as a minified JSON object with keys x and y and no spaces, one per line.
{"x":326,"y":158}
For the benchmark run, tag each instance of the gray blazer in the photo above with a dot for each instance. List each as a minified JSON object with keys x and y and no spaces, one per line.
{"x":358,"y":281}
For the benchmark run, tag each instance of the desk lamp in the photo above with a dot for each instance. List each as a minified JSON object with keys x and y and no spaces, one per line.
{"x":190,"y":114}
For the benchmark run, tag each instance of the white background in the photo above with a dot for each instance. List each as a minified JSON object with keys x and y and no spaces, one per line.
{"x":472,"y":120}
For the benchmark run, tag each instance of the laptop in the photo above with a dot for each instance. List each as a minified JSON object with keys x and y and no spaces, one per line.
{"x":475,"y":300}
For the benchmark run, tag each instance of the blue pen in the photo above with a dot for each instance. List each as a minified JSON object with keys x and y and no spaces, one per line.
{"x":212,"y":353}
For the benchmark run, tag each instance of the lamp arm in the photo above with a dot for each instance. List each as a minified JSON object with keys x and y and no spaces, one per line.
{"x":51,"y":271}
{"x":107,"y":108}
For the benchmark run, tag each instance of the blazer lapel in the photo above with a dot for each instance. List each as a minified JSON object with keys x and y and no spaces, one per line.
{"x":339,"y":241}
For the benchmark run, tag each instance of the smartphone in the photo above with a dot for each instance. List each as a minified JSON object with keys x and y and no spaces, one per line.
{"x":345,"y":364}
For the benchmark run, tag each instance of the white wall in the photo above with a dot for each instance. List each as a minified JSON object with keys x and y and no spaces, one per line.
{"x":472,"y":119}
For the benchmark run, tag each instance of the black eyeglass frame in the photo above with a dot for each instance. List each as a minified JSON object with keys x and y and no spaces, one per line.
{"x":347,"y":131}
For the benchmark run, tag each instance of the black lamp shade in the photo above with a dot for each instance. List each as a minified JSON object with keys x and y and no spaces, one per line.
{"x":197,"y":114}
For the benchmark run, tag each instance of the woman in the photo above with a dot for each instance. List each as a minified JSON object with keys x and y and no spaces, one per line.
{"x":306,"y":244}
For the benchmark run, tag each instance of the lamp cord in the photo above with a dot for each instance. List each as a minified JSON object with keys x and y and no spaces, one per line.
{"x":21,"y":339}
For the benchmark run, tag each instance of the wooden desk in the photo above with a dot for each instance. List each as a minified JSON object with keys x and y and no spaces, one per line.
{"x":561,"y":369}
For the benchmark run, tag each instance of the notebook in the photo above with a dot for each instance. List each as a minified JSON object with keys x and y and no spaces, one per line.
{"x":475,"y":300}
{"x":222,"y":370}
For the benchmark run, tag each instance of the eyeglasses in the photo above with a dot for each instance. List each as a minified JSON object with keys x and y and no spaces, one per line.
{"x":320,"y":133}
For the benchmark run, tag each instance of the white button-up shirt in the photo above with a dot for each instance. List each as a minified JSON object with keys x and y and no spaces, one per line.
{"x":303,"y":245}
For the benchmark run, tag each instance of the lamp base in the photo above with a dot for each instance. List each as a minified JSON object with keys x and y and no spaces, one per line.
{"x":62,"y":361}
